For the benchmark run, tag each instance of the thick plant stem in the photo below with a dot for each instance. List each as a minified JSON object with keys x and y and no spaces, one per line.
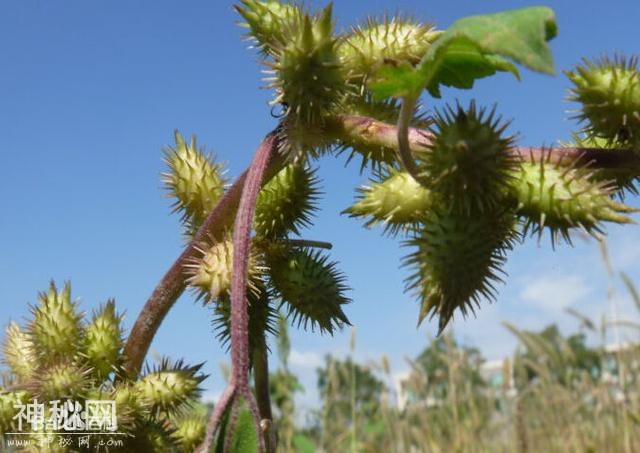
{"x":261,"y":384}
{"x":238,"y":387}
{"x":173,"y":283}
{"x":357,"y":131}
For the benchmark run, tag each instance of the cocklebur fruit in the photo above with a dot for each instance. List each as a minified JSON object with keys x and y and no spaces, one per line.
{"x":311,"y":286}
{"x":193,"y":180}
{"x":468,"y":163}
{"x":210,"y":274}
{"x":18,"y":352}
{"x":396,"y":200}
{"x":609,"y":91}
{"x":286,"y":203}
{"x":190,"y":431}
{"x":60,"y":380}
{"x":307,"y":73}
{"x":7,"y":409}
{"x":456,"y":258}
{"x":55,"y":330}
{"x":170,"y":386}
{"x":560,"y":198}
{"x":103,"y":341}
{"x":399,"y":39}
{"x":270,"y":23}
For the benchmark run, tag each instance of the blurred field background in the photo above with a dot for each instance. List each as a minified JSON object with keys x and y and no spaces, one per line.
{"x":575,"y":392}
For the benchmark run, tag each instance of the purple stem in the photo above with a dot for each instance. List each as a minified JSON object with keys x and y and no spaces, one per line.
{"x":216,"y":416}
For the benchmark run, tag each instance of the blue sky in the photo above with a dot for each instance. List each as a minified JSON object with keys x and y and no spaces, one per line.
{"x":91,"y":91}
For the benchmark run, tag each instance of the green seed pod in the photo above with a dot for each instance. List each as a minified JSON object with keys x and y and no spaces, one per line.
{"x":312,"y":287}
{"x":190,"y":432}
{"x":396,"y":199}
{"x":151,"y":435}
{"x":609,"y":91}
{"x":61,"y":380}
{"x":308,"y":76}
{"x":18,"y":352}
{"x":396,"y":38}
{"x":456,"y":260}
{"x":469,"y":164}
{"x":193,"y":180}
{"x":55,"y":330}
{"x":270,"y":23}
{"x":170,"y":386}
{"x":550,"y":196}
{"x":130,"y":407}
{"x":103,"y":341}
{"x":210,"y":274}
{"x":7,"y":411}
{"x":286,"y":203}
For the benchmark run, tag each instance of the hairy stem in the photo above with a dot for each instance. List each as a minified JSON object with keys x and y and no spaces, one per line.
{"x":358,"y":131}
{"x":173,"y":283}
{"x":261,"y":384}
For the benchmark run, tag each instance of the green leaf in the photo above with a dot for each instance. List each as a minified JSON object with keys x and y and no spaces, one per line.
{"x":475,"y":47}
{"x":245,"y":439}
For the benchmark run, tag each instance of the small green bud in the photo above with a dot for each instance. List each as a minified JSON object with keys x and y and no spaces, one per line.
{"x":609,"y":91}
{"x":103,"y":341}
{"x":56,"y":328}
{"x":210,"y":274}
{"x":312,"y":287}
{"x":285,"y":204}
{"x":19,"y":354}
{"x":170,"y":387}
{"x":193,"y":180}
{"x":469,"y":163}
{"x":557,"y":198}
{"x":456,"y":261}
{"x":397,"y":200}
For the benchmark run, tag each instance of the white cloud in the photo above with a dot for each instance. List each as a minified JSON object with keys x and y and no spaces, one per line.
{"x":305,"y":359}
{"x":552,"y":293}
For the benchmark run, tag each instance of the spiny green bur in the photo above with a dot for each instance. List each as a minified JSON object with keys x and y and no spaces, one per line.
{"x":456,"y":261}
{"x":395,"y":200}
{"x":56,"y":327}
{"x":193,"y":180}
{"x":469,"y":163}
{"x":558,"y":199}
{"x":19,"y":354}
{"x":312,"y":288}
{"x":103,"y":341}
{"x":170,"y":387}
{"x":191,"y":431}
{"x":286,"y":203}
{"x":210,"y":274}
{"x":609,"y":91}
{"x":396,"y":38}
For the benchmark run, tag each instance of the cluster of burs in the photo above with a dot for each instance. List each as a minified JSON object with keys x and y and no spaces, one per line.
{"x":474,"y":196}
{"x":61,"y":356}
{"x":473,"y":201}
